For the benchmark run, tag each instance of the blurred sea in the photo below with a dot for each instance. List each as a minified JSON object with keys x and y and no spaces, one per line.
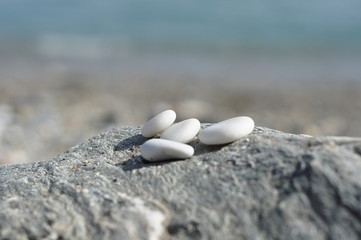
{"x":277,"y":40}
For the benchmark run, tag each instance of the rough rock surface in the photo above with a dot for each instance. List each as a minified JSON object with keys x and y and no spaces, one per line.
{"x":270,"y":185}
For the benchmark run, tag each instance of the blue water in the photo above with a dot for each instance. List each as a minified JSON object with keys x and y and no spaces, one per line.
{"x":185,"y":25}
{"x":93,"y":29}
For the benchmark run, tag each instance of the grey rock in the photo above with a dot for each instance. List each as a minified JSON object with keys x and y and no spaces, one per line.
{"x":270,"y":185}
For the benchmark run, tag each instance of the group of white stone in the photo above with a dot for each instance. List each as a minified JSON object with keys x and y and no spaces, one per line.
{"x":171,"y":143}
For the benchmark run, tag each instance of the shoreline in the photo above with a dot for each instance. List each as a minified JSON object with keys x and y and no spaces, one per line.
{"x":46,"y":110}
{"x":249,"y":70}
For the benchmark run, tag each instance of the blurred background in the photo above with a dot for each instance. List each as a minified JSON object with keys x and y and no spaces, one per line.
{"x":72,"y":69}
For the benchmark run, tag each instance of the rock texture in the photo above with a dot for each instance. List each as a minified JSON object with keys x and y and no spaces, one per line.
{"x":270,"y":185}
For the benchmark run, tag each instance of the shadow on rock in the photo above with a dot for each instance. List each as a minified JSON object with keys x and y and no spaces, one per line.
{"x":130,"y":142}
{"x":200,"y":148}
{"x":138,"y":162}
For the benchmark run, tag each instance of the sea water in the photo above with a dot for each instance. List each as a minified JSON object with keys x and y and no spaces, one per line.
{"x":258,"y":39}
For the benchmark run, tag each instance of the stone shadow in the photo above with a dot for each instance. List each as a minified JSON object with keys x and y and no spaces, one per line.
{"x":130,"y":142}
{"x":200,"y":148}
{"x":138,"y":162}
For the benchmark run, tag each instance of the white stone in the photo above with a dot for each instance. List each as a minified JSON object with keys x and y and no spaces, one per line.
{"x":227,"y":131}
{"x":183,"y":131}
{"x":160,"y":149}
{"x":158,"y":123}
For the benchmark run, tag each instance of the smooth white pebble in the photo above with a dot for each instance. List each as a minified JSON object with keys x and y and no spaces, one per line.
{"x":155,"y":150}
{"x":227,"y":131}
{"x":158,"y":123}
{"x":183,"y":131}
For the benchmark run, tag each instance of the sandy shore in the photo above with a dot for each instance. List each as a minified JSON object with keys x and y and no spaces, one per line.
{"x":49,"y":112}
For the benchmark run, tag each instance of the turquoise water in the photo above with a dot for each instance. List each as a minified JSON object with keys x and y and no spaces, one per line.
{"x":202,"y":26}
{"x":104,"y":30}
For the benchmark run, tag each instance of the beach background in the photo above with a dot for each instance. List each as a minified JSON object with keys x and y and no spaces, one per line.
{"x":72,"y":69}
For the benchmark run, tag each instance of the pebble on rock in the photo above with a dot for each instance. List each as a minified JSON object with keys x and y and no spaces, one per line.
{"x":227,"y":131}
{"x":160,"y":149}
{"x":158,"y":123}
{"x":183,"y":131}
